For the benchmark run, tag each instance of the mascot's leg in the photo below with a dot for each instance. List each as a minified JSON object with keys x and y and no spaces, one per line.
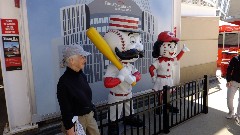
{"x":171,"y":108}
{"x":129,"y":119}
{"x":159,"y":105}
{"x":113,"y":128}
{"x":169,"y":82}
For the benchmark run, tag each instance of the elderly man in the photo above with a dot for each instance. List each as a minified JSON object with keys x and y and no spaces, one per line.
{"x":74,"y":93}
{"x":233,"y":85}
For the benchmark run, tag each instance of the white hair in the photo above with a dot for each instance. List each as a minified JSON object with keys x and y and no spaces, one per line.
{"x":67,"y":60}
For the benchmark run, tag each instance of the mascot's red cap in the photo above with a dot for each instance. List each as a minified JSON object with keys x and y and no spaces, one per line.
{"x":167,"y":36}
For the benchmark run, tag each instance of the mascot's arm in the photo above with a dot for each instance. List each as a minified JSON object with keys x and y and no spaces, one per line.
{"x":184,"y":49}
{"x":110,"y":82}
{"x":151,"y":70}
{"x":179,"y":56}
{"x":137,"y":75}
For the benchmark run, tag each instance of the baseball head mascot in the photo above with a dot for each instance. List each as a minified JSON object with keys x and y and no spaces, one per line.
{"x":124,"y":40}
{"x":165,"y":50}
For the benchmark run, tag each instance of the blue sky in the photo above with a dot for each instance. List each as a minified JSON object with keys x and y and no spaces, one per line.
{"x":160,"y":8}
{"x":10,"y":44}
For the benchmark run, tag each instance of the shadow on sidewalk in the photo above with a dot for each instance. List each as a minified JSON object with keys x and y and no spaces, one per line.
{"x":213,"y":123}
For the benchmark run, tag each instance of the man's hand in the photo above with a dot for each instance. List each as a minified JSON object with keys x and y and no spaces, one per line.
{"x":71,"y":131}
{"x":229,"y":84}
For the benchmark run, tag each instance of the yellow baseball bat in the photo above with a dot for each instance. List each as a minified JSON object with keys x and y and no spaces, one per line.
{"x":104,"y":48}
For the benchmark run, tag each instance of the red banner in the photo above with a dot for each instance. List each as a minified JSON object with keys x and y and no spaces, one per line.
{"x":9,"y":26}
{"x":228,"y":28}
{"x":13,"y":62}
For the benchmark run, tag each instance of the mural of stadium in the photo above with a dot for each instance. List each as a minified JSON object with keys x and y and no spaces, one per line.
{"x":76,"y":19}
{"x":65,"y":23}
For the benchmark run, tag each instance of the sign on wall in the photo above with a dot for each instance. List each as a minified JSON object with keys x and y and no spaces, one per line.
{"x":9,"y":26}
{"x":12,"y":55}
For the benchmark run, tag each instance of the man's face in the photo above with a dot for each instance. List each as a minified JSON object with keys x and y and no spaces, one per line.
{"x":79,"y":61}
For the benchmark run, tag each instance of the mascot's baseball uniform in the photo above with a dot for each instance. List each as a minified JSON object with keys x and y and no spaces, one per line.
{"x":124,"y":39}
{"x":164,"y":50}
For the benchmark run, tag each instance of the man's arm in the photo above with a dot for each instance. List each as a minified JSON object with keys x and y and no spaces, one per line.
{"x":65,"y":106}
{"x":230,"y":69}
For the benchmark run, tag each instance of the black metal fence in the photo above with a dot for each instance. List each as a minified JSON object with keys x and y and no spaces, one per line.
{"x":190,"y":98}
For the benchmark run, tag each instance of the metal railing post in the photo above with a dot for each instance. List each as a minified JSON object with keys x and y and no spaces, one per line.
{"x":166,"y":100}
{"x":205,"y":94}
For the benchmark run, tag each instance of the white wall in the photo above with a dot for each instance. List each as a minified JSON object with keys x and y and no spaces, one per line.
{"x":194,"y":10}
{"x":200,"y":34}
{"x":16,"y":83}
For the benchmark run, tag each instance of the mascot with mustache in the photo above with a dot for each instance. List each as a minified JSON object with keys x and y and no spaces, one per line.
{"x":164,"y":50}
{"x":124,"y":40}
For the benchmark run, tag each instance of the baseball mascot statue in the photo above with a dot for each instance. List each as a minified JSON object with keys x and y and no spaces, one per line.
{"x":124,"y":40}
{"x":165,"y":50}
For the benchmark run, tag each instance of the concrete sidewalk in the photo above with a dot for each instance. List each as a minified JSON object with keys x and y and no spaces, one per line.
{"x":213,"y":123}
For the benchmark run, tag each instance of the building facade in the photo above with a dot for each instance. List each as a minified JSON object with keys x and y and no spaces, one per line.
{"x":233,"y":15}
{"x":222,"y":6}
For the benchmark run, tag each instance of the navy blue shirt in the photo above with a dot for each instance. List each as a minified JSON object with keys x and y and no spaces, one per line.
{"x":74,"y":96}
{"x":233,"y":70}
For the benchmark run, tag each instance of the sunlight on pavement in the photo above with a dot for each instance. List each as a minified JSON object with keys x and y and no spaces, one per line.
{"x":222,"y":131}
{"x":219,"y":99}
{"x":214,"y":122}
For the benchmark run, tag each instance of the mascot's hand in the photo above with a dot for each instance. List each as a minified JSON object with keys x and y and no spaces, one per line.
{"x":123,"y":73}
{"x":130,"y":79}
{"x":154,"y":79}
{"x":185,"y":49}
